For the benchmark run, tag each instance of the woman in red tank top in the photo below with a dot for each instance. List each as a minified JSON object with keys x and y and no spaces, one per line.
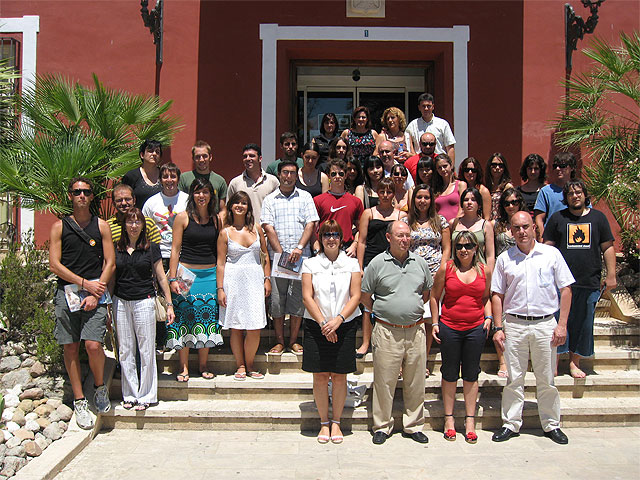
{"x":462,"y":328}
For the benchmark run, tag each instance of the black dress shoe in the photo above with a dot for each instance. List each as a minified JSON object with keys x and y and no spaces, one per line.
{"x":416,"y":437}
{"x":557,"y":436}
{"x":379,"y":438}
{"x":504,"y":434}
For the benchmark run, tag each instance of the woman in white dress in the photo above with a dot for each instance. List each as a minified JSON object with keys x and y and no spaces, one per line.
{"x":243,"y":282}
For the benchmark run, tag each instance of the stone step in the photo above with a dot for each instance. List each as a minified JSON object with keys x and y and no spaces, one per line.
{"x":299,"y":386}
{"x":224,"y":414}
{"x":221,"y":361}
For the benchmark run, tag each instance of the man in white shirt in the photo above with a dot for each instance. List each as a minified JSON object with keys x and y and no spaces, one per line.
{"x":432,"y":124}
{"x":525,"y":286}
{"x":254,"y":181}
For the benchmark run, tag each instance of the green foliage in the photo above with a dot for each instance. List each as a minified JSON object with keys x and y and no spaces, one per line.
{"x":1,"y":404}
{"x":27,"y":289}
{"x":602,"y":116}
{"x":72,"y":130}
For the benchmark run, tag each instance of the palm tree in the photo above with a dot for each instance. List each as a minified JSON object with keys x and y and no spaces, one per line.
{"x":602,"y":116}
{"x":71,"y":130}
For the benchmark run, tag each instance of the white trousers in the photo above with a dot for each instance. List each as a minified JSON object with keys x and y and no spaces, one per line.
{"x":523,"y":338}
{"x":136,"y":325}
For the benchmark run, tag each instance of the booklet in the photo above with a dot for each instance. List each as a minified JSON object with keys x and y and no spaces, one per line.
{"x":184,"y":279}
{"x":74,"y":295}
{"x":282,"y":272}
{"x":284,"y":262}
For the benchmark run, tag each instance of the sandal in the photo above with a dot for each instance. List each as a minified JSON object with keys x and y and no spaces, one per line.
{"x":128,"y":405}
{"x":240,"y":376}
{"x":256,"y":375}
{"x":502,"y":371}
{"x":450,"y":434}
{"x":323,"y":438}
{"x":207,"y":375}
{"x":277,"y":349}
{"x":182,"y":377}
{"x":141,"y":407}
{"x":470,"y":437}
{"x":337,"y":438}
{"x":295,"y":348}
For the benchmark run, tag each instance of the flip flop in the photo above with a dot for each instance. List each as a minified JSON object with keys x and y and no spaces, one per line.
{"x":277,"y":350}
{"x":206,"y":375}
{"x":255,"y":375}
{"x":503,"y":373}
{"x":295,"y":348}
{"x":181,"y":378}
{"x":240,"y":376}
{"x":128,"y":405}
{"x":141,"y":407}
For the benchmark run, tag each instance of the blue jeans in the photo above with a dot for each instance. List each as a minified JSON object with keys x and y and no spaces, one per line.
{"x":580,"y":323}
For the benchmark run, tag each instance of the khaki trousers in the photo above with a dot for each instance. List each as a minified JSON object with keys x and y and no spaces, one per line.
{"x":393,"y":349}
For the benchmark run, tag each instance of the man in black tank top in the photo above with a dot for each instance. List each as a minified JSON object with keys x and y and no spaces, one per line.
{"x":81,"y":253}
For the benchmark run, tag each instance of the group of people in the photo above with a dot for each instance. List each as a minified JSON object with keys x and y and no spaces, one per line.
{"x":363,"y":224}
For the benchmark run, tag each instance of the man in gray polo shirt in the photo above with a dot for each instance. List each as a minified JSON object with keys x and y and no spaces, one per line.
{"x":400,"y":282}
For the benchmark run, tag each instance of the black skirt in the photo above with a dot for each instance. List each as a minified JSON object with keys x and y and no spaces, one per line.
{"x":320,"y":355}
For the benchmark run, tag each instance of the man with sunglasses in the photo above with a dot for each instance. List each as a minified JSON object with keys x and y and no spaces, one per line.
{"x":81,"y":253}
{"x":583,"y":236}
{"x":427,"y":150}
{"x":428,"y":122}
{"x":341,"y":206}
{"x":550,"y":199}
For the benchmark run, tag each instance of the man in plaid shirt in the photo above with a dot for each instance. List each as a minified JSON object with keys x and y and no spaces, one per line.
{"x":288,"y":219}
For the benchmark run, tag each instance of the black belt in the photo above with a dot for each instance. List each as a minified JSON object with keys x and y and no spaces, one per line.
{"x":530,"y":318}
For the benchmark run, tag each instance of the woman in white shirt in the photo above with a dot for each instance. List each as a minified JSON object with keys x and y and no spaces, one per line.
{"x":331,"y":293}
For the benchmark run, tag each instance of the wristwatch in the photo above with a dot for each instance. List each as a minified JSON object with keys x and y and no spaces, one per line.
{"x":497,"y":329}
{"x":300,"y":247}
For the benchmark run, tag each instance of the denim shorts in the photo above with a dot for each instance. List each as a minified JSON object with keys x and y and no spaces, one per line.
{"x":580,"y":323}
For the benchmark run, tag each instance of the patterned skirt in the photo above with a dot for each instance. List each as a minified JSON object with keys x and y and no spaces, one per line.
{"x":196,"y":324}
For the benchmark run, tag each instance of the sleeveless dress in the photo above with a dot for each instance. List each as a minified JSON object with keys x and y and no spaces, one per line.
{"x":362,"y":144}
{"x":503,"y":242}
{"x":315,"y":189}
{"x":447,"y":205}
{"x":244,"y":287}
{"x":376,"y":239}
{"x":479,"y":234}
{"x":428,"y":244}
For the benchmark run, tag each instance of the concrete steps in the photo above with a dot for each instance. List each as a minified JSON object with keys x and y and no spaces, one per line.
{"x":283,"y":400}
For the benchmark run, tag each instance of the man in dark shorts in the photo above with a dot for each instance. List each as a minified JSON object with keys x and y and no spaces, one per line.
{"x":81,"y":254}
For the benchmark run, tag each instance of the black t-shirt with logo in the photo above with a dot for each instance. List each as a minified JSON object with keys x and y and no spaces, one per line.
{"x":579,"y":240}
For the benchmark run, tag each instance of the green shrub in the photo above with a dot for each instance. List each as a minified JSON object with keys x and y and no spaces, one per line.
{"x":27,"y":290}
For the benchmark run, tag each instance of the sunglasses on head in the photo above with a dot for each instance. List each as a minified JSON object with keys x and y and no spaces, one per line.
{"x":337,"y":174}
{"x":77,"y":191}
{"x":560,"y":165}
{"x":465,"y":246}
{"x":331,"y":235}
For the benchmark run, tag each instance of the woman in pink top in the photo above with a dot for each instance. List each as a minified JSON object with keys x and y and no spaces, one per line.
{"x":446,"y":188}
{"x":461,"y":329}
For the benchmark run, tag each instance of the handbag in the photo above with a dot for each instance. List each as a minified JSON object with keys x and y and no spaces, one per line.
{"x":161,"y":308}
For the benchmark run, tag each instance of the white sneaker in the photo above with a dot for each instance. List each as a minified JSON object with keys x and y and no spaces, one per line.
{"x":84,"y":418}
{"x":101,"y":399}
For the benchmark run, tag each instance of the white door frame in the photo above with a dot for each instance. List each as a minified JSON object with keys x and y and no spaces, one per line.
{"x":28,"y":26}
{"x":270,"y":33}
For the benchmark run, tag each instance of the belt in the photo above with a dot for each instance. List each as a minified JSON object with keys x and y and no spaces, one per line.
{"x":530,"y":318}
{"x":401,"y":326}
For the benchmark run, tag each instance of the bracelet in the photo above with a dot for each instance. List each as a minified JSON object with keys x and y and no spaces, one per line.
{"x":324,"y":322}
{"x":267,"y":277}
{"x":169,"y":305}
{"x":487,"y":317}
{"x":172,"y":279}
{"x":82,"y":286}
{"x":342,"y":317}
{"x":435,"y":324}
{"x":220,"y":288}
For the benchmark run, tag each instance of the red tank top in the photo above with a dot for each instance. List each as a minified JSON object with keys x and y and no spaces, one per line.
{"x":462,"y":306}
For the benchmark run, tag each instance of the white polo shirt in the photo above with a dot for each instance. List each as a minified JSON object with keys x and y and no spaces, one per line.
{"x":440,"y":129}
{"x":331,"y":283}
{"x":530,"y":283}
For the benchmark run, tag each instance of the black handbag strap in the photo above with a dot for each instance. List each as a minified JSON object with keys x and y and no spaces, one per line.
{"x":81,"y":233}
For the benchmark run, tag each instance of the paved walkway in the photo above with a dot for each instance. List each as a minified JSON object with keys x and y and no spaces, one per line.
{"x":592,"y":453}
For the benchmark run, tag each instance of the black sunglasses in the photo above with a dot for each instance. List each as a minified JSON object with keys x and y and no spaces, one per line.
{"x":77,"y":191}
{"x":465,"y":246}
{"x":470,"y":170}
{"x":497,"y":165}
{"x":427,"y":144}
{"x":331,"y":235}
{"x":560,"y":165}
{"x":509,"y":203}
{"x":337,"y":174}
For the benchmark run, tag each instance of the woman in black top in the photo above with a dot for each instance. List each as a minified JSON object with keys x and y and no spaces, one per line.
{"x":137,"y":261}
{"x":194,"y":247}
{"x":145,"y":180}
{"x":328,"y":132}
{"x":310,"y":178}
{"x":533,"y":173}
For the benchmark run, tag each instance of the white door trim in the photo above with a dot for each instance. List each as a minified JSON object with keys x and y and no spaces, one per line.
{"x":270,"y":33}
{"x":29,"y":26}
